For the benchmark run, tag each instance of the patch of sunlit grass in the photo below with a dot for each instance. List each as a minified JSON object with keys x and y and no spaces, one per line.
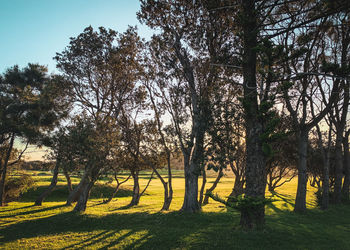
{"x":54,"y":226}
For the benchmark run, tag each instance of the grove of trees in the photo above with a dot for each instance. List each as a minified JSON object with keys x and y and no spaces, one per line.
{"x":256,"y":87}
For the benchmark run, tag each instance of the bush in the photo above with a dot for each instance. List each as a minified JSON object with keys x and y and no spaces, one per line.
{"x":16,"y":186}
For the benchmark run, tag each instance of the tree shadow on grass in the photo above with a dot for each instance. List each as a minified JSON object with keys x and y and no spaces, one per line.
{"x":284,"y":230}
{"x":32,"y":211}
{"x":14,"y":209}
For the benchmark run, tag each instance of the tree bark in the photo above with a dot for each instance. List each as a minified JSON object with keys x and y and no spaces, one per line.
{"x":237,"y":189}
{"x":255,"y":162}
{"x":346,"y":162}
{"x":338,"y":166}
{"x":74,"y":195}
{"x":136,"y":189}
{"x":84,"y":196}
{"x":211,"y":189}
{"x":115,"y":191}
{"x":190,"y":203}
{"x":300,"y":201}
{"x":69,"y":181}
{"x":326,"y":159}
{"x":4,"y":171}
{"x":53,"y":184}
{"x":168,"y":187}
{"x":204,"y":181}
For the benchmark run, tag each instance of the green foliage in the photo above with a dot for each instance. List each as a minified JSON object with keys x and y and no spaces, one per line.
{"x":16,"y":186}
{"x":242,"y":202}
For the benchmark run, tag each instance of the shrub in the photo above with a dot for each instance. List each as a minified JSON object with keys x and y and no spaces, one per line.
{"x":16,"y":186}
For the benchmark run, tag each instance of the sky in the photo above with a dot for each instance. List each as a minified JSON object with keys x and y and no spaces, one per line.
{"x":32,"y":31}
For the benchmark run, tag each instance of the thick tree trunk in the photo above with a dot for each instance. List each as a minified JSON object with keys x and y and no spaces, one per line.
{"x":211,"y":189}
{"x":190,"y":203}
{"x":136,"y":189}
{"x":300,"y":201}
{"x":74,"y":195}
{"x":338,"y":167}
{"x":255,"y":162}
{"x":69,"y":181}
{"x":4,"y":171}
{"x":84,"y":196}
{"x":53,"y":184}
{"x":346,"y":162}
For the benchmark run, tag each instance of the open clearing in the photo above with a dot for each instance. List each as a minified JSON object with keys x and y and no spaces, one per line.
{"x":54,"y":226}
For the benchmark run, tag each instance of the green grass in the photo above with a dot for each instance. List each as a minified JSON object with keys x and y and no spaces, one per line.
{"x":54,"y":226}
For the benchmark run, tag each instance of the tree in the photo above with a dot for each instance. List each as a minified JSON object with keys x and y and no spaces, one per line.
{"x":102,"y":68}
{"x":32,"y":103}
{"x":185,"y":62}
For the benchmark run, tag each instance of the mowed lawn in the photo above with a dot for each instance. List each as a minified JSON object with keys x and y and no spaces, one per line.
{"x":54,"y":226}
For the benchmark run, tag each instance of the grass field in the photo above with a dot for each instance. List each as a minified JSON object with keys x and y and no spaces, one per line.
{"x":54,"y":226}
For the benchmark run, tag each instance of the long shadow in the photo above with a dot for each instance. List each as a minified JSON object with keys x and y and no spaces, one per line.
{"x":181,"y":230}
{"x":32,"y":211}
{"x":118,"y":240}
{"x":14,"y":209}
{"x":286,"y":198}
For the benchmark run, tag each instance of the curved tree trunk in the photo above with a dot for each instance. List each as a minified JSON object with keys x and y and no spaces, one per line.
{"x":116,"y":188}
{"x":300,"y":201}
{"x":211,"y":189}
{"x":237,"y":189}
{"x":168,"y":196}
{"x":136,"y":189}
{"x":74,"y":195}
{"x":69,"y":181}
{"x":53,"y":184}
{"x":204,"y":181}
{"x":90,"y":176}
{"x":84,"y":196}
{"x":168,"y":187}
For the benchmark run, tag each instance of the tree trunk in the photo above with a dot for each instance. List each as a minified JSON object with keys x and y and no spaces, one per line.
{"x":326,"y":161}
{"x":116,"y":188}
{"x":255,"y":162}
{"x":325,"y":183}
{"x":136,"y":189}
{"x":211,"y":189}
{"x":53,"y":184}
{"x":69,"y":181}
{"x":190,"y":203}
{"x":84,"y":196}
{"x":4,"y":172}
{"x":300,"y":201}
{"x":168,"y":187}
{"x":346,"y":162}
{"x":237,"y":189}
{"x":168,"y":196}
{"x":115,"y":191}
{"x":338,"y":167}
{"x":204,"y":181}
{"x":74,"y":195}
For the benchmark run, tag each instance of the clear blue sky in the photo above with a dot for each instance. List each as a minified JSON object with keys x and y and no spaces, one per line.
{"x":34,"y":30}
